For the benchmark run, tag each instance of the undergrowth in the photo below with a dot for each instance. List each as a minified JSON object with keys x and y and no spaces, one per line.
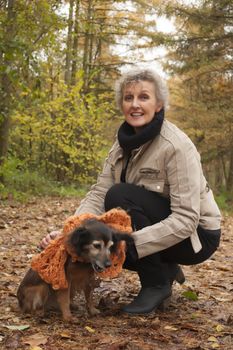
{"x":225,"y":201}
{"x":20,"y":184}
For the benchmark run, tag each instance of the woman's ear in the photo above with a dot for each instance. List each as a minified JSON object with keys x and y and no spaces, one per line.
{"x":158,"y":107}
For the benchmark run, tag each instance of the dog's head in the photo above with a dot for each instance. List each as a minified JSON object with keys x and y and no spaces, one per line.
{"x":94,"y":241}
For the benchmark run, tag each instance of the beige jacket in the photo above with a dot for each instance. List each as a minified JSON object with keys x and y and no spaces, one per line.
{"x":169,"y":165}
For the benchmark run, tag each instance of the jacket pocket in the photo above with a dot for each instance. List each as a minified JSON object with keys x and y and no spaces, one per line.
{"x":149,"y":173}
{"x":151,"y":179}
{"x":157,"y":186}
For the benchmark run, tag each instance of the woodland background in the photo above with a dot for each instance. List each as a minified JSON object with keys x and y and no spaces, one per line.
{"x":58,"y":64}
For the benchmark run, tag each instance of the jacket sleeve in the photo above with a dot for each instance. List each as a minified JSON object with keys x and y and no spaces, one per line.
{"x":183,"y":169}
{"x":94,"y":200}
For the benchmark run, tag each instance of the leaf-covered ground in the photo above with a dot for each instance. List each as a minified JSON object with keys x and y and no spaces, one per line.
{"x":205,"y":323}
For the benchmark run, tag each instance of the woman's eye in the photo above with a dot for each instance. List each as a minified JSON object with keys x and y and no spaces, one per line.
{"x":128,"y":98}
{"x":144,"y":97}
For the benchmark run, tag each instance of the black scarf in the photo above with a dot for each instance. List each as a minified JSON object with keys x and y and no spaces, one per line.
{"x":129,"y":140}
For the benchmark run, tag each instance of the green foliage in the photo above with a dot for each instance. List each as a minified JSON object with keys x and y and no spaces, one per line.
{"x":20,"y":183}
{"x":63,"y":137}
{"x":225,"y":201}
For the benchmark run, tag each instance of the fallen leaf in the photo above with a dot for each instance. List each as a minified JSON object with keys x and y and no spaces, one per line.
{"x":12,"y":342}
{"x":224,"y":268}
{"x":190,"y":295}
{"x":35,"y":348}
{"x":171,"y":328}
{"x":17,"y":327}
{"x":223,"y":299}
{"x":230,"y":320}
{"x":219,"y":328}
{"x":35,"y":340}
{"x":212,"y":339}
{"x":65,"y":335}
{"x":89,"y":329}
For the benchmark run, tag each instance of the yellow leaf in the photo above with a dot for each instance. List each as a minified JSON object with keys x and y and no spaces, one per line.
{"x":215,"y":346}
{"x":212,"y":339}
{"x":65,"y":335}
{"x":171,"y":328}
{"x":89,"y":329}
{"x":219,"y":328}
{"x":35,"y":348}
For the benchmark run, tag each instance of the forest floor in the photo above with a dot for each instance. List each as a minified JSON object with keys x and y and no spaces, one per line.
{"x":204,"y":323}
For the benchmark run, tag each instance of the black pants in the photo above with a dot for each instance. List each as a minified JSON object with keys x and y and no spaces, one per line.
{"x":147,"y":208}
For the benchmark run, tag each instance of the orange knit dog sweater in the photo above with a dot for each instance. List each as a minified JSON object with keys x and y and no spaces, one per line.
{"x":51,"y":261}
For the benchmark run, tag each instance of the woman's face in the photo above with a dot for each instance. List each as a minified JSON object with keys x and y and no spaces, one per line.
{"x":139,"y":103}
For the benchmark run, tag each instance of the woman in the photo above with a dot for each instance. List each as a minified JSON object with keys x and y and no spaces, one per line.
{"x":154,"y":172}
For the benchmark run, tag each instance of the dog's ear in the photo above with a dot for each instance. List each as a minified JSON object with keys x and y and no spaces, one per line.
{"x":121,"y":236}
{"x":77,"y":237}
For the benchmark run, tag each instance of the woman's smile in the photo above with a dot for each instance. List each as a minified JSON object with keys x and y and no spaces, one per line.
{"x":137,"y":115}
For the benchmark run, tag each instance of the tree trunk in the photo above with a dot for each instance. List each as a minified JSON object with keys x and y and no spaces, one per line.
{"x":86,"y":52}
{"x":230,"y":174}
{"x":69,"y":44}
{"x":6,"y":84}
{"x":75,"y":45}
{"x":224,"y":170}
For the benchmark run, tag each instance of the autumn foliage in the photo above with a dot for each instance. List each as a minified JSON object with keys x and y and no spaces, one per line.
{"x":58,"y":64}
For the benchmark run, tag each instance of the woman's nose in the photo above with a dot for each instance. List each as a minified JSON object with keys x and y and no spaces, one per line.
{"x":135,"y":103}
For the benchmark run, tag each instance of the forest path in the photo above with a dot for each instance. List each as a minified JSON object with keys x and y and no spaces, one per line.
{"x":205,"y":323}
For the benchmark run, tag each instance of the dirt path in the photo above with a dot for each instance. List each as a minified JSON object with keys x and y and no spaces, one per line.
{"x":205,"y":323}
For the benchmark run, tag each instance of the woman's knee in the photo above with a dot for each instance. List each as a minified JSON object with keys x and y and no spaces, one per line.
{"x":115,"y":196}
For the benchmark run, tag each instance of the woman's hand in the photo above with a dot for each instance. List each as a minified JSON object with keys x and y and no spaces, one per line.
{"x":48,"y":238}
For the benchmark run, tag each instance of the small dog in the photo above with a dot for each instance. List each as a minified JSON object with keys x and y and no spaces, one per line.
{"x":93,"y":242}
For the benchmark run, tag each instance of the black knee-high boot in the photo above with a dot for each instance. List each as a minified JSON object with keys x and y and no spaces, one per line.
{"x":156,"y":279}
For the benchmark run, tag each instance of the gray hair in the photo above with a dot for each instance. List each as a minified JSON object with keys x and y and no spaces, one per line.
{"x":142,"y":74}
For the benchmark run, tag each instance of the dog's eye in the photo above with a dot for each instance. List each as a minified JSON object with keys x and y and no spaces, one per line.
{"x":97,"y":245}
